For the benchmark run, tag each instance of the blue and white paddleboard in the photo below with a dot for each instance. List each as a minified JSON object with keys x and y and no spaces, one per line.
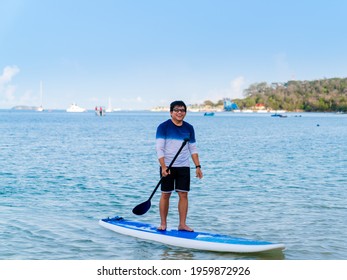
{"x":193,"y":240}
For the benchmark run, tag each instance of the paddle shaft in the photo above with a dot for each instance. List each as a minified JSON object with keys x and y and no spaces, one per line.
{"x":143,"y":207}
{"x":172,"y":162}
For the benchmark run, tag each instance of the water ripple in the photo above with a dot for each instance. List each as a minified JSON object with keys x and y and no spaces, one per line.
{"x":269,"y":179}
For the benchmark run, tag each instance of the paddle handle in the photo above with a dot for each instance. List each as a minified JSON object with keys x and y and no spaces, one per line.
{"x":172,"y":162}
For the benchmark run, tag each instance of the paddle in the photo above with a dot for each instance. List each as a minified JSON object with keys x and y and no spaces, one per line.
{"x":144,"y":206}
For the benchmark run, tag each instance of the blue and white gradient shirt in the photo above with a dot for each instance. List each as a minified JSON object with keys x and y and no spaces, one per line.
{"x":169,"y":139}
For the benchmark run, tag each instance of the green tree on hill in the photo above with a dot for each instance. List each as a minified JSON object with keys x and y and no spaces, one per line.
{"x":327,"y":95}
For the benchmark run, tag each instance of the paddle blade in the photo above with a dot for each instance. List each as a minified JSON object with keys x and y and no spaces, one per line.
{"x":142,"y":208}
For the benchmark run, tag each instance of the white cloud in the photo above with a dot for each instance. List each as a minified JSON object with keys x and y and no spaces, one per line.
{"x":7,"y":74}
{"x":26,"y":98}
{"x":237,"y":86}
{"x":8,"y":93}
{"x":234,"y":91}
{"x":7,"y":90}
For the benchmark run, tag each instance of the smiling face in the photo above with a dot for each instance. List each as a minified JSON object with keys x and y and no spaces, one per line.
{"x":177,"y":115}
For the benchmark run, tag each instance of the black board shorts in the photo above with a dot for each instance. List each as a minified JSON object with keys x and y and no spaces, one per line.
{"x":178,"y":180}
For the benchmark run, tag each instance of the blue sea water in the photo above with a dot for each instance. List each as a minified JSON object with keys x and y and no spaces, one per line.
{"x":275,"y":179}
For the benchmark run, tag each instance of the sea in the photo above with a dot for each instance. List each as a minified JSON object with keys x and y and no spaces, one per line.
{"x":282,"y":180}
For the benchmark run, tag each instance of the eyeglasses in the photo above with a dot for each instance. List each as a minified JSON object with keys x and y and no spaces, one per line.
{"x":179,"y":110}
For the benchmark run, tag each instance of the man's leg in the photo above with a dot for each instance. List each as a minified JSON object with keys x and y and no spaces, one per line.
{"x":164,"y":209}
{"x":183,"y":211}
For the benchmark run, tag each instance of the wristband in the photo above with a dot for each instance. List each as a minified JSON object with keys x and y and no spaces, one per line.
{"x":198,"y":166}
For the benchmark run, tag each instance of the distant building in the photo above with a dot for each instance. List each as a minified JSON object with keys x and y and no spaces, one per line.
{"x":260,"y":106}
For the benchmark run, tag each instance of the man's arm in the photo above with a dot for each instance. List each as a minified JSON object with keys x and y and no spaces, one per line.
{"x":196,"y":161}
{"x":163,"y":166}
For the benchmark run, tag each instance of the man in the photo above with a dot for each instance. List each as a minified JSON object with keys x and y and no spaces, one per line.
{"x":169,"y":137}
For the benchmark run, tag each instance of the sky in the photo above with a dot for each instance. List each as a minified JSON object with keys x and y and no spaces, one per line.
{"x":146,"y":53}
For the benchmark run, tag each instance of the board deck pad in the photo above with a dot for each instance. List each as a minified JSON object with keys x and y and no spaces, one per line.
{"x":193,"y":240}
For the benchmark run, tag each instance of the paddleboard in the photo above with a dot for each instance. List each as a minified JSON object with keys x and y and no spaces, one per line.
{"x":193,"y":240}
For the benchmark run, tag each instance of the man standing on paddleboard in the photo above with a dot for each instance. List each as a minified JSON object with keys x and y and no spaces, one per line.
{"x":169,"y":137}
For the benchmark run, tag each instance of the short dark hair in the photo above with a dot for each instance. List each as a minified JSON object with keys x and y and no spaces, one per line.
{"x":179,"y":103}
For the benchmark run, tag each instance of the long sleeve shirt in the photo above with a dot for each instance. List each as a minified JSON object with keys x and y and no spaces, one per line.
{"x":169,"y":138}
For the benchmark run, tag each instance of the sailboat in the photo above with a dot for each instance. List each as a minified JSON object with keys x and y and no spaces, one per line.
{"x":40,"y":108}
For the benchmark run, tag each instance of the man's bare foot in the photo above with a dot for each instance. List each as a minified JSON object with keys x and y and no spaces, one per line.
{"x":161,"y":228}
{"x":185,"y":228}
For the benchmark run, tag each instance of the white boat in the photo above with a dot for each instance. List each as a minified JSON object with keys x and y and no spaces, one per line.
{"x":75,"y":109}
{"x":39,"y":109}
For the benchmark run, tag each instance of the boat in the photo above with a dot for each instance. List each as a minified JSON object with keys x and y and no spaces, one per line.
{"x":100,"y":111}
{"x":192,"y":240}
{"x":73,"y":108}
{"x":39,"y":109}
{"x":278,"y":115}
{"x":209,"y":114}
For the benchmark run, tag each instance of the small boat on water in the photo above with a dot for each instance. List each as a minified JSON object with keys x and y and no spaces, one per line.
{"x":278,"y":115}
{"x":39,"y":109}
{"x":100,"y":111}
{"x":209,"y":114}
{"x":73,"y":108}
